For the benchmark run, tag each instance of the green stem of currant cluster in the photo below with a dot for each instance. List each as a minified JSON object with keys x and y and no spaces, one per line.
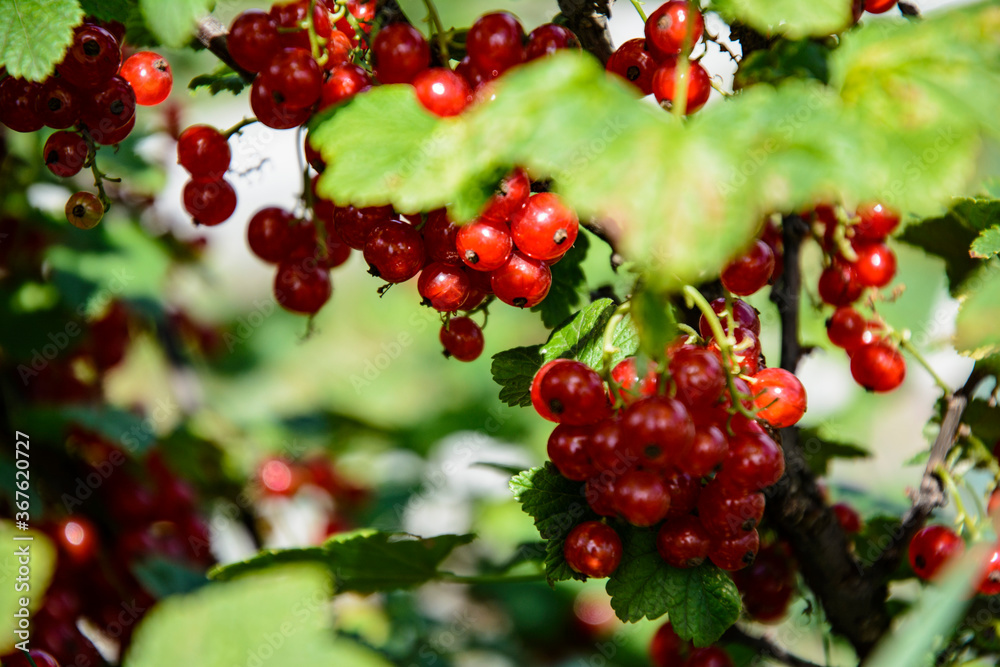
{"x":907,"y":345}
{"x":236,"y":129}
{"x":316,"y":43}
{"x":439,"y":33}
{"x":962,"y":515}
{"x":638,"y":8}
{"x":695,"y":298}
{"x":609,"y":336}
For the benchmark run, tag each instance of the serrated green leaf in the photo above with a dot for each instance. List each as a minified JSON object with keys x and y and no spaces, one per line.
{"x":513,"y":370}
{"x":223,"y":78}
{"x":43,"y":564}
{"x":557,"y":505}
{"x":109,"y":10}
{"x":945,"y":237}
{"x":987,"y":243}
{"x":702,"y":602}
{"x":786,"y":58}
{"x":567,"y":280}
{"x":572,"y":339}
{"x":976,"y":331}
{"x":174,"y":23}
{"x":789,"y":17}
{"x":35,"y":35}
{"x":819,"y":451}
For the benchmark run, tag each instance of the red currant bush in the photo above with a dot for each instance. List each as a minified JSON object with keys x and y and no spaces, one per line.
{"x":593,"y":549}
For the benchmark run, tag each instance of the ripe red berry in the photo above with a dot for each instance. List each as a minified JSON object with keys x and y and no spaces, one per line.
{"x":931,"y":548}
{"x":698,"y":376}
{"x":846,"y":328}
{"x":728,"y":515}
{"x":149,"y":75}
{"x":779,"y":397}
{"x":474,"y":75}
{"x":735,"y":554}
{"x":877,"y":222}
{"x":548,"y":38}
{"x":77,"y":539}
{"x":750,"y":271}
{"x":838,"y":284}
{"x":879,"y":6}
{"x":510,"y":197}
{"x":400,"y":52}
{"x":568,"y":449}
{"x":209,"y":202}
{"x":59,"y":104}
{"x":108,"y":136}
{"x":767,"y":586}
{"x":545,"y":228}
{"x":343,"y":83}
{"x":65,"y":153}
{"x":633,"y":63}
{"x":683,"y":542}
{"x":111,"y":106}
{"x":394,"y":251}
{"x":878,"y":366}
{"x":658,"y":431}
{"x":599,"y":492}
{"x":536,"y":386}
{"x":699,"y":86}
{"x":629,"y":388}
{"x":876,"y":264}
{"x":293,"y":78}
{"x":442,"y":92}
{"x":291,"y":18}
{"x":484,"y":245}
{"x":847,"y":517}
{"x":605,"y":447}
{"x":707,"y":451}
{"x":84,"y":210}
{"x":439,"y":235}
{"x":672,"y":25}
{"x":744,"y":314}
{"x":495,"y":42}
{"x":990,"y":583}
{"x":444,"y":287}
{"x":355,"y":224}
{"x":269,"y":234}
{"x":667,"y":649}
{"x":522,"y":282}
{"x":338,"y":50}
{"x":272,"y":113}
{"x":594,"y":549}
{"x":754,"y":462}
{"x":574,"y":394}
{"x":204,"y":152}
{"x":253,"y":40}
{"x":364,"y":13}
{"x":92,"y":58}
{"x":462,"y":339}
{"x":641,"y":497}
{"x":301,"y":285}
{"x":18,"y":103}
{"x":709,"y":656}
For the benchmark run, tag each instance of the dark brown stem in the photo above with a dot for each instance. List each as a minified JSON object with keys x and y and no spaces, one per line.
{"x":909,"y":9}
{"x":213,"y":34}
{"x":588,"y":19}
{"x":389,"y":11}
{"x":766,"y":649}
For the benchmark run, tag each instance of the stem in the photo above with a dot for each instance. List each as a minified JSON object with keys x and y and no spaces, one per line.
{"x":765,"y":648}
{"x":912,"y":349}
{"x":638,"y":8}
{"x":609,"y":336}
{"x":316,"y":43}
{"x":588,"y":19}
{"x":491,"y":578}
{"x":212,"y":35}
{"x":679,"y":104}
{"x":949,"y":485}
{"x":719,"y":89}
{"x":238,"y":128}
{"x":435,"y":20}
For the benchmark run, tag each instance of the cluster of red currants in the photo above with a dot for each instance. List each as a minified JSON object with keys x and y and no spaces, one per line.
{"x":93,"y":577}
{"x":934,"y":547}
{"x":876,"y":362}
{"x":653,"y":64}
{"x":668,"y":650}
{"x":93,"y":91}
{"x":668,"y":447}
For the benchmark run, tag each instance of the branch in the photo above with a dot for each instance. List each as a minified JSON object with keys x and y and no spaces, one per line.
{"x":389,"y":11}
{"x":931,"y":494}
{"x":212,"y":34}
{"x":765,"y":648}
{"x":588,"y":19}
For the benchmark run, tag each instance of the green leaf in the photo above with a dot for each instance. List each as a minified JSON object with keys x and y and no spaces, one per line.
{"x":806,"y":59}
{"x":163,"y":577}
{"x":948,"y":238}
{"x":43,"y":564}
{"x":223,"y":78}
{"x":109,"y":10}
{"x":983,"y":420}
{"x":514,"y":370}
{"x":556,"y":504}
{"x":174,"y":22}
{"x":987,"y":243}
{"x":877,"y":533}
{"x":362,"y":561}
{"x":35,"y":35}
{"x":789,"y":17}
{"x":976,"y":331}
{"x":819,"y":451}
{"x":567,"y":281}
{"x":702,"y":602}
{"x":655,"y":321}
{"x":115,"y":424}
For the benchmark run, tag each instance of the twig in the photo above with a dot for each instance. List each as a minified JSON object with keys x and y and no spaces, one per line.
{"x":212,"y":34}
{"x":389,"y":11}
{"x":765,"y":648}
{"x":588,"y":19}
{"x":909,"y":9}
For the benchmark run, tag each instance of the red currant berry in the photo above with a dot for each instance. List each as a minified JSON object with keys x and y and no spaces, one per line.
{"x":599,"y":492}
{"x":847,"y":517}
{"x":605,"y":447}
{"x":204,"y":152}
{"x":253,"y":40}
{"x":293,"y":78}
{"x":767,"y":586}
{"x":400,"y":52}
{"x":634,"y":64}
{"x":77,"y":539}
{"x":729,"y":516}
{"x":394,"y":251}
{"x":268,"y":234}
{"x":92,"y":59}
{"x":444,"y":287}
{"x":343,"y":83}
{"x":931,"y":548}
{"x":574,"y":393}
{"x":65,"y":153}
{"x":439,"y":235}
{"x":683,"y":542}
{"x":684,"y":491}
{"x":878,"y":366}
{"x":522,"y":282}
{"x":545,"y":228}
{"x":667,"y":649}
{"x":744,"y":314}
{"x":84,"y":210}
{"x":338,"y":51}
{"x":548,"y":38}
{"x":462,"y":339}
{"x":58,"y":104}
{"x":838,"y":284}
{"x":594,"y":549}
{"x":495,"y":42}
{"x":536,"y":387}
{"x":301,"y":285}
{"x":877,"y":222}
{"x":846,"y":328}
{"x":442,"y":92}
{"x":879,"y":6}
{"x":709,"y":656}
{"x":667,"y":28}
{"x":754,"y":462}
{"x":735,"y":554}
{"x":641,"y":497}
{"x":707,"y":451}
{"x":699,"y":87}
{"x":627,"y":386}
{"x":18,"y":102}
{"x":209,"y":202}
{"x":698,"y":375}
{"x":149,"y":75}
{"x":750,"y":271}
{"x":364,"y":13}
{"x":111,"y":106}
{"x":658,"y":431}
{"x":510,"y":197}
{"x":475,"y":76}
{"x":109,"y":137}
{"x":876,"y":264}
{"x":568,"y":449}
{"x":355,"y":224}
{"x":270,"y":112}
{"x":990,"y":583}
{"x":484,"y":245}
{"x":779,"y":397}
